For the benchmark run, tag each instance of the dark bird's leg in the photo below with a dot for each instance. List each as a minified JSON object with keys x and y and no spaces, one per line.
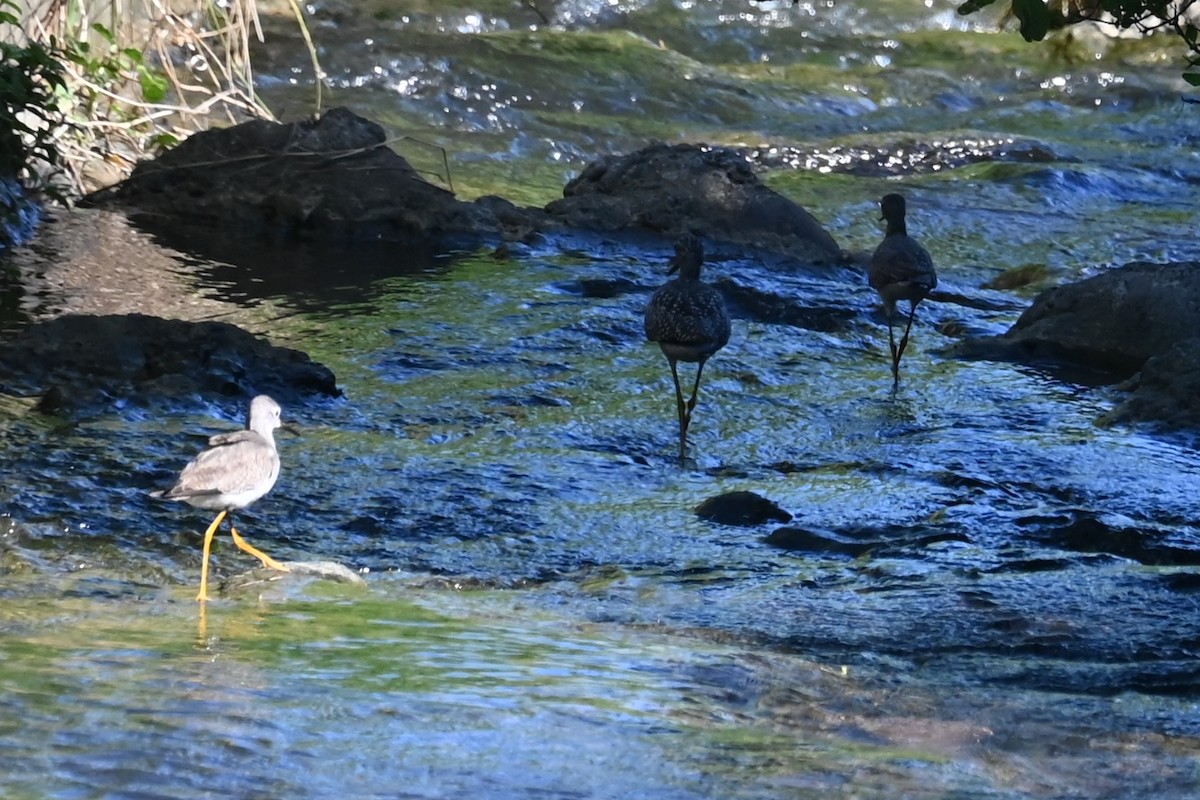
{"x":684,"y":414}
{"x":904,"y":339}
{"x":891,"y":313}
{"x":691,"y":406}
{"x":245,"y":546}
{"x":685,"y":419}
{"x":208,"y":537}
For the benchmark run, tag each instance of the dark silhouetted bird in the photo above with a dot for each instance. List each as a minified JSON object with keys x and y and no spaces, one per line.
{"x":687,"y":318}
{"x":900,"y":269}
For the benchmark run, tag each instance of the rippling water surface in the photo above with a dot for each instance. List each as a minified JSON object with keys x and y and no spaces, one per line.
{"x":982,"y":593}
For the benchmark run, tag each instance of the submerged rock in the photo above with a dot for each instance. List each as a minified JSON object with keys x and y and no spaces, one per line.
{"x":741,"y":508}
{"x":259,"y":580}
{"x":860,"y":540}
{"x":811,"y":540}
{"x":681,"y":188}
{"x":82,"y":364}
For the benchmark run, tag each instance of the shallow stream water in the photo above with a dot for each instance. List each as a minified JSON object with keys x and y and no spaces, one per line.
{"x":990,"y":595}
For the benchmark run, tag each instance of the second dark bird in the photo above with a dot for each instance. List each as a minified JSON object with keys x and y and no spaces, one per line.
{"x":688,"y":320}
{"x":900,"y":269}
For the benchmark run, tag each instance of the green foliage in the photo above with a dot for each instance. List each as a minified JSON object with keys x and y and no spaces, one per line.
{"x":31,"y":77}
{"x":1037,"y":18}
{"x":106,"y":71}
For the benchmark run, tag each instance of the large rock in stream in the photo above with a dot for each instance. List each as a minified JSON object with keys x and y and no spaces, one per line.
{"x":675,"y":189}
{"x":335,"y":179}
{"x":1139,"y":322}
{"x":82,"y":365}
{"x":331,"y":178}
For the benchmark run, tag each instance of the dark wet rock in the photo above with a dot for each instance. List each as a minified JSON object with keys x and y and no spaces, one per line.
{"x":327,"y":178}
{"x":1085,"y":531}
{"x":675,"y":189}
{"x":1027,"y":565}
{"x":1166,"y":391}
{"x":603,"y":288}
{"x":1112,"y":322}
{"x":741,"y":508}
{"x":1141,"y":316}
{"x":1182,"y":582}
{"x":81,"y":364}
{"x":769,"y":307}
{"x":857,"y":541}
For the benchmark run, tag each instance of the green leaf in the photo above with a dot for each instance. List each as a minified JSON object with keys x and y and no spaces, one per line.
{"x":971,"y":6}
{"x":1034,"y":17}
{"x":162,"y":141}
{"x":1193,"y":78}
{"x":154,"y":85}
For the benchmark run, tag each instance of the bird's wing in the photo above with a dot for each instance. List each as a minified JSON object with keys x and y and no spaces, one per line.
{"x":232,"y":437}
{"x":691,"y":317}
{"x":237,"y":463}
{"x":895,"y":261}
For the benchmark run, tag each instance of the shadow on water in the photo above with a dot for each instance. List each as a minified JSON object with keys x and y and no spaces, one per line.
{"x":329,"y":277}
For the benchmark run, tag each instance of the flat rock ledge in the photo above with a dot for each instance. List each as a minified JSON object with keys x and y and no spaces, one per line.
{"x":82,"y":365}
{"x":1139,"y":323}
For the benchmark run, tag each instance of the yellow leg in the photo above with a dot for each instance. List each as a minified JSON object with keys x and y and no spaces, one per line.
{"x":202,"y":633}
{"x":266,"y":560}
{"x":208,"y":537}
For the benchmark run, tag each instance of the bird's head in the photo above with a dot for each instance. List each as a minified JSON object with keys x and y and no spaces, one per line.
{"x":891,"y":207}
{"x":689,"y":255}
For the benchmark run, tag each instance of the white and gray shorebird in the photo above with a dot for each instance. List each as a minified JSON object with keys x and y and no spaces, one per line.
{"x":688,"y":320}
{"x":231,"y":473}
{"x":900,"y":269}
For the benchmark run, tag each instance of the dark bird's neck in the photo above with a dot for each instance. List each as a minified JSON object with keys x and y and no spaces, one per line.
{"x":689,"y":255}
{"x":896,"y":227}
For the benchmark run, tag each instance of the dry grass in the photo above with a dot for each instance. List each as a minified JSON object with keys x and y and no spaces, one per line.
{"x":151,"y":74}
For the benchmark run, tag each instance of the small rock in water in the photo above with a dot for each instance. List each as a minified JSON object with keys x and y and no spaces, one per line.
{"x":259,"y":578}
{"x":814,"y":541}
{"x":741,"y":508}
